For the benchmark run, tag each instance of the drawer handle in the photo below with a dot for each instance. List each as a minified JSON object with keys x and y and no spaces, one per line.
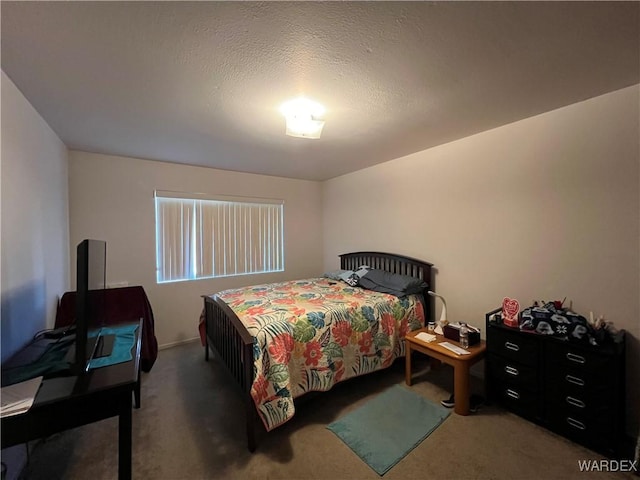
{"x":576,"y":423}
{"x":576,"y":358}
{"x":575,"y":402}
{"x":574,"y":380}
{"x":512,"y":346}
{"x":513,"y":394}
{"x":511,"y":371}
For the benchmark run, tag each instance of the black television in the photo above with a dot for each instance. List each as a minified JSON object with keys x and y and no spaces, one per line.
{"x":91,"y":307}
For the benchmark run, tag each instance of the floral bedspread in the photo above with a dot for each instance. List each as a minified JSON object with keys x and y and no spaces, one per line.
{"x":311,"y":334}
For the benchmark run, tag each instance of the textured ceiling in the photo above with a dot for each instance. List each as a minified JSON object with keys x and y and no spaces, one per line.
{"x":201,"y":82}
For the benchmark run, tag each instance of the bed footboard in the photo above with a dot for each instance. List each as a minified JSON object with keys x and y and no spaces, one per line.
{"x":229,"y":339}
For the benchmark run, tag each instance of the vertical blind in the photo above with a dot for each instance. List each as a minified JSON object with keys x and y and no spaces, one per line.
{"x":204,"y":238}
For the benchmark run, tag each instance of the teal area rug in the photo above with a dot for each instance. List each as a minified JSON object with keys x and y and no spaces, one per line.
{"x":386,"y":428}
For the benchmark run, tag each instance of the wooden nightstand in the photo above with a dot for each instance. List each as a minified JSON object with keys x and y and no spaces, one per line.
{"x":460,"y":363}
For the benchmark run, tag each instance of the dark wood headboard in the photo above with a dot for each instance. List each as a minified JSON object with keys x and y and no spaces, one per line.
{"x":389,"y":262}
{"x":394,"y":263}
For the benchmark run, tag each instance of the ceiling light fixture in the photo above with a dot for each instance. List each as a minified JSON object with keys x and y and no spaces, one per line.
{"x":302,"y":117}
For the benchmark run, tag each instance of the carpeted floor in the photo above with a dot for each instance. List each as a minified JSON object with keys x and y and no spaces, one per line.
{"x":191,"y":426}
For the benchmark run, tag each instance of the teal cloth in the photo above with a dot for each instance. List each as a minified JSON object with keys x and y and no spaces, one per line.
{"x":51,"y":362}
{"x":388,"y":427}
{"x":125,"y":338}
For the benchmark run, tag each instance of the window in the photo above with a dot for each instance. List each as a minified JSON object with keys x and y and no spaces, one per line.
{"x":206,"y":237}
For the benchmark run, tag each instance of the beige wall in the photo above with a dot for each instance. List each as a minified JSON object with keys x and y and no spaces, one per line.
{"x":111,"y":198}
{"x":543,"y":208}
{"x":35,"y":221}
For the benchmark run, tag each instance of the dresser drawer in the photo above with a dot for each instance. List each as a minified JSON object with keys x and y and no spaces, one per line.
{"x":578,"y":379}
{"x":513,"y":345}
{"x":598,"y":428}
{"x":572,"y":400}
{"x":513,"y":373}
{"x":518,"y":399}
{"x":562,"y":356}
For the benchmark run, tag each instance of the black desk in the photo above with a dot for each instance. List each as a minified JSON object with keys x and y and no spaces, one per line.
{"x":68,"y":402}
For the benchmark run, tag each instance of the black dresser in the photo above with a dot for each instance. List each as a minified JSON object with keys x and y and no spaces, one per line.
{"x":575,"y":390}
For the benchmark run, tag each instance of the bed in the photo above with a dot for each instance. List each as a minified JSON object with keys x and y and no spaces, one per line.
{"x":281,"y":340}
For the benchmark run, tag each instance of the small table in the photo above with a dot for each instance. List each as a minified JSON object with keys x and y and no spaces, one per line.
{"x":460,"y":363}
{"x":71,"y":401}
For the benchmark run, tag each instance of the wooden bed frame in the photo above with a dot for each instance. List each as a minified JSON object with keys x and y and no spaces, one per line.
{"x":228,"y":337}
